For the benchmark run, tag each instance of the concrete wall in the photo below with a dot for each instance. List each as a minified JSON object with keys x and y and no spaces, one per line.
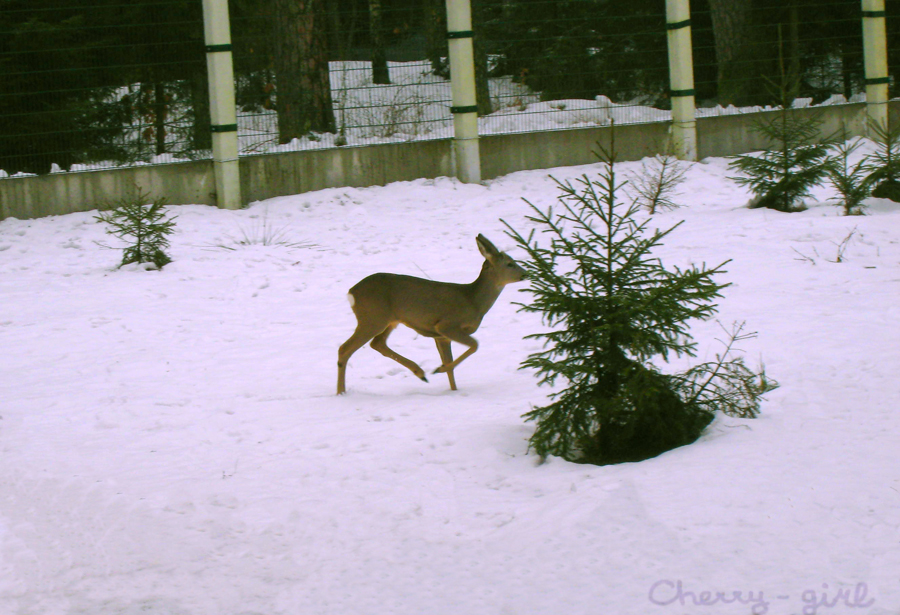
{"x":262,"y":177}
{"x":270,"y":175}
{"x":503,"y":154}
{"x":727,"y":135}
{"x":62,"y":193}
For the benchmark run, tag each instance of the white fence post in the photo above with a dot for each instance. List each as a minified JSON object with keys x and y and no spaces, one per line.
{"x":681,"y":79}
{"x":220,"y":72}
{"x":875,"y":55}
{"x":462,"y":84}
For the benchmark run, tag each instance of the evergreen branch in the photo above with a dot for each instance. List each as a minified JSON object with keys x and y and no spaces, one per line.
{"x":727,"y":383}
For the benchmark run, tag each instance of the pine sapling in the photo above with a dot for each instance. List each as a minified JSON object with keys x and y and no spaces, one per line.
{"x":144,"y":228}
{"x":884,"y":164}
{"x":613,"y":313}
{"x":781,"y":177}
{"x":852,"y":181}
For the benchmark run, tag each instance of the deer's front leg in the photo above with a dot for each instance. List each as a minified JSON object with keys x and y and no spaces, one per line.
{"x":443,"y":346}
{"x":456,"y":334}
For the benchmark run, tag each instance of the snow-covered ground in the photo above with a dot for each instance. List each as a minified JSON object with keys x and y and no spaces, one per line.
{"x":171,"y":444}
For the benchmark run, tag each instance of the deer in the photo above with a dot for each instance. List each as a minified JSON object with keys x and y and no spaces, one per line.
{"x":445,"y":311}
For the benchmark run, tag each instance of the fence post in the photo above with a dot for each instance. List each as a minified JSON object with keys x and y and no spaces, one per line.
{"x":681,"y":79}
{"x":875,"y":55}
{"x":462,"y":84}
{"x":220,"y":73}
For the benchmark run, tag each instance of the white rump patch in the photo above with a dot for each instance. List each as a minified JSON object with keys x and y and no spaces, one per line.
{"x":351,"y":299}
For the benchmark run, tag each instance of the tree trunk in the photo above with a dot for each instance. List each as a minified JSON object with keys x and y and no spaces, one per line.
{"x":793,"y":51}
{"x":787,"y":43}
{"x":846,"y":72}
{"x":303,"y":86}
{"x":336,"y":42}
{"x":732,"y":30}
{"x":380,"y":74}
{"x":482,"y":91}
{"x":436,"y":36}
{"x":160,"y":113}
{"x":201,"y":134}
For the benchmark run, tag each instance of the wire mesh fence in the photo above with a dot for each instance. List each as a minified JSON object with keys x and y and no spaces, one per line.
{"x":382,"y":84}
{"x":578,"y":62}
{"x":90,"y":84}
{"x":755,"y":53}
{"x":100,"y":83}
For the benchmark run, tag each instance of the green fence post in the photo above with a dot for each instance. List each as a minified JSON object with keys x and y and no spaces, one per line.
{"x":462,"y":84}
{"x":220,"y":69}
{"x":875,"y":55}
{"x":681,"y":79}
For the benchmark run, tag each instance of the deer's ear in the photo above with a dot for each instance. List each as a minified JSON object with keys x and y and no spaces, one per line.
{"x":486,"y":248}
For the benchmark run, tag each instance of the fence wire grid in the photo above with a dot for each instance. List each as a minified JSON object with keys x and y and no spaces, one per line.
{"x":87,"y":84}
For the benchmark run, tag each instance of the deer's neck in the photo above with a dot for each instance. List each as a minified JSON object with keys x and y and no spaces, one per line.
{"x":485,"y":289}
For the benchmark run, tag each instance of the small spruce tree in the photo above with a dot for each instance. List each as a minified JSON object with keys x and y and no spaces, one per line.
{"x":852,"y":181}
{"x":782,"y":175}
{"x":144,"y":228}
{"x":884,"y":164}
{"x":612,"y":308}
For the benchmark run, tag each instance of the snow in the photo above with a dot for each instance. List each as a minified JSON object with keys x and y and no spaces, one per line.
{"x":172,"y":445}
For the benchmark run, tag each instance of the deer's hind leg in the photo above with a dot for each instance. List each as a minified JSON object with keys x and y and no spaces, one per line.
{"x":359,"y":338}
{"x":443,"y":346}
{"x":380,"y":344}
